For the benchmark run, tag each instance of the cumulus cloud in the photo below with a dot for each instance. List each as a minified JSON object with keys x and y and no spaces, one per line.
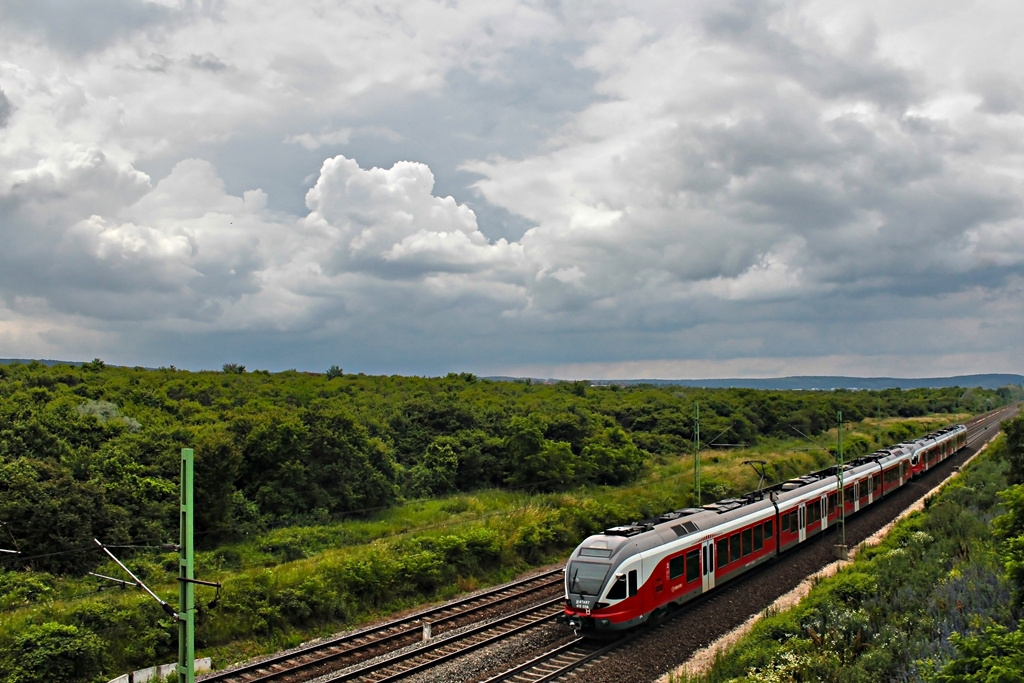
{"x":135,"y":252}
{"x":390,"y":223}
{"x":187,"y":249}
{"x":590,"y":186}
{"x":712,"y":183}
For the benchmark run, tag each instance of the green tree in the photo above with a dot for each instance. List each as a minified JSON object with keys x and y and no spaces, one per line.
{"x":1014,"y":430}
{"x":351,"y":469}
{"x":436,"y":471}
{"x":1010,"y":528}
{"x":53,"y":652}
{"x":50,"y":512}
{"x":533,"y":461}
{"x":613,"y":457}
{"x":217,"y":464}
{"x":275,"y":472}
{"x":994,"y":656}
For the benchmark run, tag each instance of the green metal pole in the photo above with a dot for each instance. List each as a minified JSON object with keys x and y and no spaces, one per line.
{"x":186,"y":572}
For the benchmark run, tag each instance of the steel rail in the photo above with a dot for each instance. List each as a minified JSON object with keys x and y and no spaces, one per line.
{"x":461,"y":644}
{"x":323,"y":652}
{"x":537,"y":670}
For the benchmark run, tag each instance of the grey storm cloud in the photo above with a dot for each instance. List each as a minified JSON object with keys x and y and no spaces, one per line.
{"x":858,"y":71}
{"x":207,"y":62}
{"x":999,"y":95}
{"x":80,"y":27}
{"x":6,"y":109}
{"x":679,"y":186}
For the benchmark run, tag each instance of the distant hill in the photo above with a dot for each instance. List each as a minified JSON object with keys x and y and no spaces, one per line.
{"x":800,"y":383}
{"x":44,"y":361}
{"x":823,"y":382}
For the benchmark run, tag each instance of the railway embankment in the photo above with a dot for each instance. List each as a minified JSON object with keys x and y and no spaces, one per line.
{"x":888,"y":613}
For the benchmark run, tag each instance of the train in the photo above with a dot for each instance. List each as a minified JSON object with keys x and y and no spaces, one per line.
{"x":635,"y":573}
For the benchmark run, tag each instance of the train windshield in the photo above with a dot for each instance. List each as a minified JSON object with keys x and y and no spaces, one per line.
{"x":586,"y":578}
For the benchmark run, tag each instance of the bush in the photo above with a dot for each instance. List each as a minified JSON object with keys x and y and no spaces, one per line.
{"x":23,"y":588}
{"x":994,"y":656}
{"x":53,"y":652}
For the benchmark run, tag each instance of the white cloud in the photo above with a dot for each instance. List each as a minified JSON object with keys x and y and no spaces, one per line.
{"x":388,"y":221}
{"x":710,"y":180}
{"x":311,"y":142}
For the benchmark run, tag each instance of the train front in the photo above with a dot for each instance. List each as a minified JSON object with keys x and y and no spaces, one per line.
{"x":601,"y":586}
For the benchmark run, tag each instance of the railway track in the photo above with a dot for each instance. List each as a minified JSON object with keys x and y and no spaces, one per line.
{"x":352,"y":648}
{"x":557,"y":662}
{"x":447,"y":648}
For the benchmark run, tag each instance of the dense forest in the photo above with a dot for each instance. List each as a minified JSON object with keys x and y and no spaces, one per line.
{"x":92,"y":451}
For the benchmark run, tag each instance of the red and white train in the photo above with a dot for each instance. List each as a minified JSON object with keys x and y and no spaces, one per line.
{"x":628,"y":574}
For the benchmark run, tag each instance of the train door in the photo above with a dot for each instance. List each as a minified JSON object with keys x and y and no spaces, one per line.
{"x":708,"y":560}
{"x":856,"y":496}
{"x":824,"y":511}
{"x":801,"y":516}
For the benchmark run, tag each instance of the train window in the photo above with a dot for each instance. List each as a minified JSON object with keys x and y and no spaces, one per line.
{"x":675,"y":567}
{"x":734,"y":547}
{"x":768,"y":529}
{"x":595,"y":552}
{"x":692,"y":565}
{"x":832,"y":501}
{"x":793,"y":524}
{"x":618,"y":589}
{"x":784,"y":522}
{"x":723,"y":551}
{"x":758,"y":537}
{"x":876,"y":482}
{"x":632,"y":583}
{"x":748,"y":544}
{"x":813,"y":512}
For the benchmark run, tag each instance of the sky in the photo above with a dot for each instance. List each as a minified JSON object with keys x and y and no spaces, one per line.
{"x":578,"y":189}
